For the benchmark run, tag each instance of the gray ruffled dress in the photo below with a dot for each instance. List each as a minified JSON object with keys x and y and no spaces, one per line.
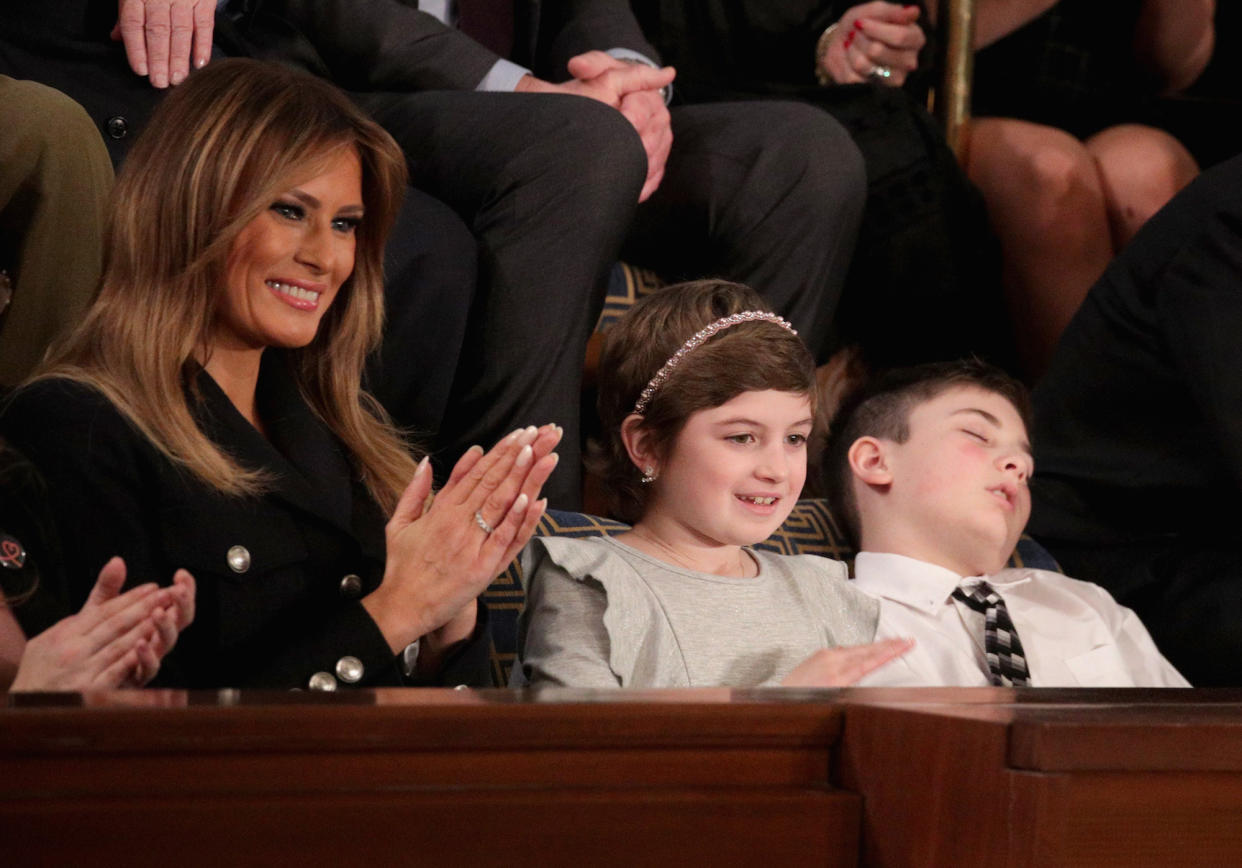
{"x":602,"y":614}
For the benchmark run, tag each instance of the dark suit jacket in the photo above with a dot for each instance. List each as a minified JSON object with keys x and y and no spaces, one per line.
{"x":368,"y":46}
{"x":360,"y":45}
{"x":291,"y":611}
{"x":1138,"y":420}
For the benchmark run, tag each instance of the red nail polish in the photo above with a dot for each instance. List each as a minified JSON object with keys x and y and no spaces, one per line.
{"x":848,"y":40}
{"x":858,"y":24}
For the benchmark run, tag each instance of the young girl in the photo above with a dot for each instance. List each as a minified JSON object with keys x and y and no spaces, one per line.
{"x":706,"y":400}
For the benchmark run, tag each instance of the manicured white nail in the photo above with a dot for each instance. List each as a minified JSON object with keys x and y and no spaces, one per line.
{"x":524,"y":456}
{"x":422,"y":466}
{"x":519,"y":505}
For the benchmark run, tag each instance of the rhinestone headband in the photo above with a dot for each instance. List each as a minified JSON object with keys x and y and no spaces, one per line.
{"x":699,"y":338}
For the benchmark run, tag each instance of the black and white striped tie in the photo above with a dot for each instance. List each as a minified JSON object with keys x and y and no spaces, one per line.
{"x":1001,"y":645}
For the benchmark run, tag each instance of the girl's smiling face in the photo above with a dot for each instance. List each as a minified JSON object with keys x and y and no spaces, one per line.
{"x":734,"y":472}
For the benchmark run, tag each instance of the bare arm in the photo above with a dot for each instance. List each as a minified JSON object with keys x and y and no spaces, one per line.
{"x":12,"y":643}
{"x":1174,"y":40}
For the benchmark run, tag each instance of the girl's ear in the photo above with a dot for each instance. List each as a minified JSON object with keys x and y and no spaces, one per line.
{"x":869,"y":461}
{"x":638,"y":444}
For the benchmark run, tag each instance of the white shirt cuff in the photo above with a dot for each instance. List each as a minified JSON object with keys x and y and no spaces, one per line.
{"x":628,"y":54}
{"x":503,"y":76}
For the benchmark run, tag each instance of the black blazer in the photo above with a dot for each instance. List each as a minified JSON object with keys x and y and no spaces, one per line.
{"x":279,"y":576}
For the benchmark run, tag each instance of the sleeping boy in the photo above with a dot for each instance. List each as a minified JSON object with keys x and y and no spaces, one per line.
{"x":928,"y":470}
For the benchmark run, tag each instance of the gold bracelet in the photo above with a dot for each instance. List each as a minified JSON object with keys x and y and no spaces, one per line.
{"x":821,"y":56}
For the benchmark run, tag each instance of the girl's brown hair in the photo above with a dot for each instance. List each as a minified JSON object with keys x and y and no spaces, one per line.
{"x":217,"y":152}
{"x":750,"y":356}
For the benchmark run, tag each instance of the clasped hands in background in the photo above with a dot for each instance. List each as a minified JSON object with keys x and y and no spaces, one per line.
{"x":873,"y":38}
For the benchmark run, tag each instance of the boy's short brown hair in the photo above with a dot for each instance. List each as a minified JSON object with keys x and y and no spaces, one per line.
{"x":882,"y":409}
{"x":749,"y":356}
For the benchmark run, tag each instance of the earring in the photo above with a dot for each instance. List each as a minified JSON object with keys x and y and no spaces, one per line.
{"x":649,"y":474}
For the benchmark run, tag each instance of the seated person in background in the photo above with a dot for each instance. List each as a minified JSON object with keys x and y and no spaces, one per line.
{"x":929,"y":468}
{"x":545,"y":175}
{"x":924,"y":281}
{"x":706,"y":399}
{"x":207,"y":412}
{"x":1066,"y":144}
{"x":1138,"y":431}
{"x":54,"y":183}
{"x":117,"y":639}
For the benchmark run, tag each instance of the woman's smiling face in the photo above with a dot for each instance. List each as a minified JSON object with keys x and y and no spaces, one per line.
{"x":289,"y":262}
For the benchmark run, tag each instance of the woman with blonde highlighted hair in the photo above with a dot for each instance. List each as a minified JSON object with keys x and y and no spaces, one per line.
{"x":208,"y":411}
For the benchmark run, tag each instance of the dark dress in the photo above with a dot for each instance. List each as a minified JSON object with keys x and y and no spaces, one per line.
{"x":1075,"y":68}
{"x":925,"y":280}
{"x":279,"y":576}
{"x":1072,"y":67}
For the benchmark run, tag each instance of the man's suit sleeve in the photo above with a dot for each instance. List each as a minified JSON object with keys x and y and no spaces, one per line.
{"x":385,"y":45}
{"x":570,"y":27}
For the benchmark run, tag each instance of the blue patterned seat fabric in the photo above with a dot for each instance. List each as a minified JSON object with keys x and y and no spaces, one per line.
{"x":809,"y":530}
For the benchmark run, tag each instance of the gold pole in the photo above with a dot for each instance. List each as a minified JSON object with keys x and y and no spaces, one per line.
{"x":952,"y":104}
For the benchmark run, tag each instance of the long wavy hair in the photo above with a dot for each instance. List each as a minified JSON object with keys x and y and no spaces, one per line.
{"x":216,"y":153}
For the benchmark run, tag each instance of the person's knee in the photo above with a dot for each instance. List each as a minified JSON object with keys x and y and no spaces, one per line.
{"x":1142,"y":168}
{"x":805,"y":163}
{"x":830,"y":166}
{"x":589,"y":148}
{"x":1042,"y":174}
{"x":425,"y":230}
{"x":48,"y":129}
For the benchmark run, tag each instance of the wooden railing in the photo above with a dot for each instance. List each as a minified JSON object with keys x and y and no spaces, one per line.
{"x":714,"y":777}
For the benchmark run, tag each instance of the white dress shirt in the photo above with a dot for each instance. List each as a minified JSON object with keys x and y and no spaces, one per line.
{"x":1073,"y":633}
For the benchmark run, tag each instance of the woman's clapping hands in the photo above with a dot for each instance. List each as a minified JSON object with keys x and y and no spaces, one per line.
{"x":116,"y":640}
{"x":443,"y":555}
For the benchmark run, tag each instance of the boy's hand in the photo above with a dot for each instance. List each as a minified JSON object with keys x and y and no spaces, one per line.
{"x":841,"y":667}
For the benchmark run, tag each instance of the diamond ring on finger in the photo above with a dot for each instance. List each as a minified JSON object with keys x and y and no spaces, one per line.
{"x":482,"y":522}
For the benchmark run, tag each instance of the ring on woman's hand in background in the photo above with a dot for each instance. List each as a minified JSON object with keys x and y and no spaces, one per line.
{"x":880,"y":72}
{"x":482,"y":522}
